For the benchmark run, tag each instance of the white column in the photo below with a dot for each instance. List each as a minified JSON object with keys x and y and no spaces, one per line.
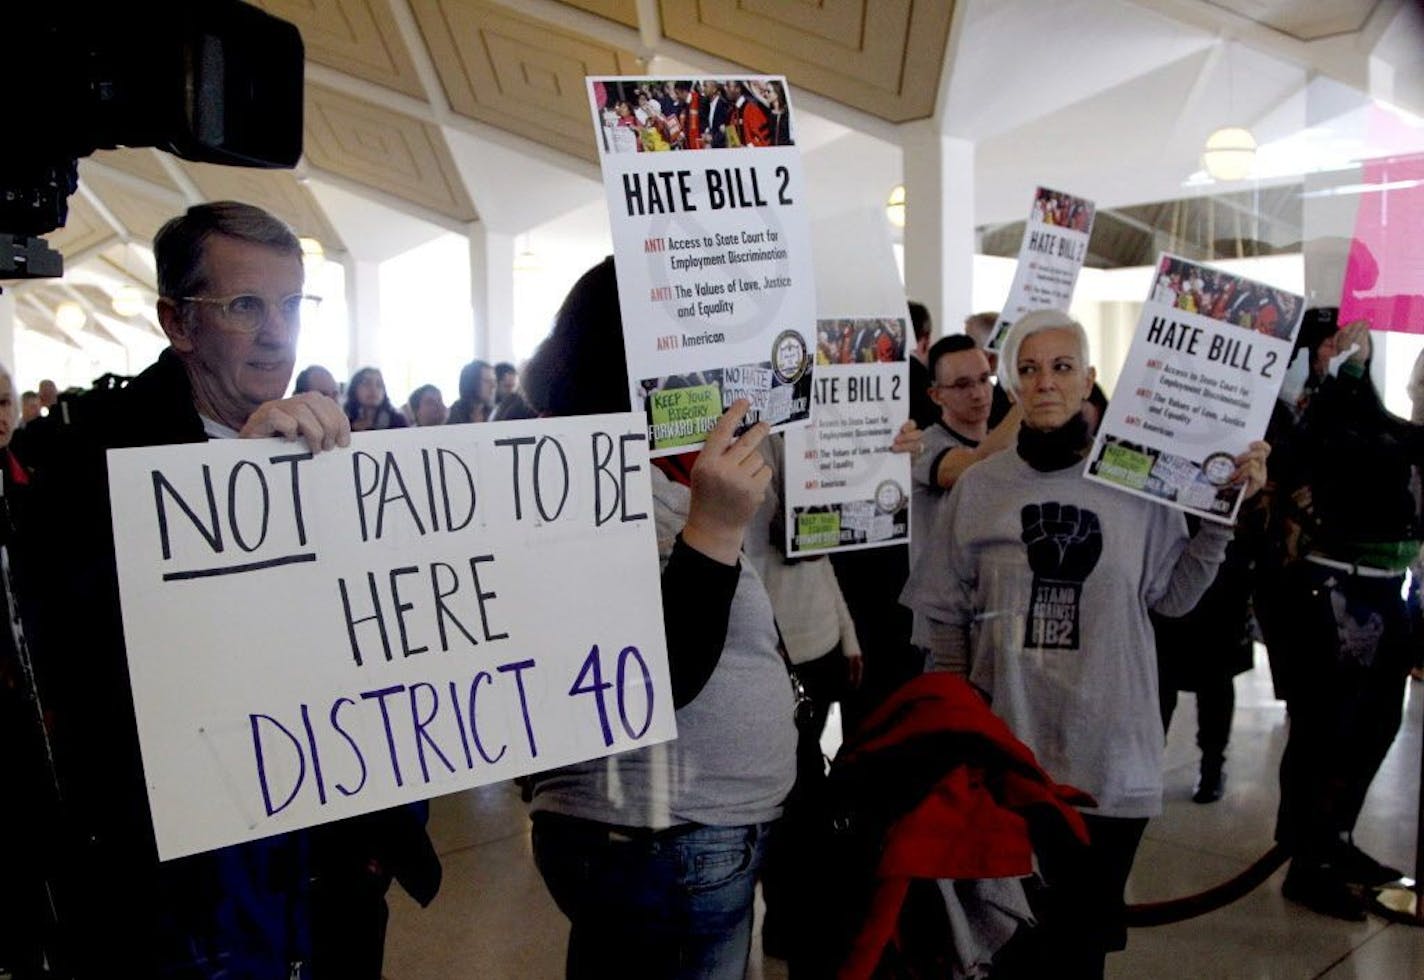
{"x":939,"y":224}
{"x":492,"y":291}
{"x":363,"y":306}
{"x":7,"y":334}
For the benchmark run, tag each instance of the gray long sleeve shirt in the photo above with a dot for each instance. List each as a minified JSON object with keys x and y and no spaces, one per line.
{"x":734,"y":759}
{"x":1046,"y":590}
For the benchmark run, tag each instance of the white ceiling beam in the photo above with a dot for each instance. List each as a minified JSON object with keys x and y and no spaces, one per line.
{"x":425,"y":71}
{"x":650,"y":25}
{"x":1334,"y":56}
{"x":139,"y":185}
{"x":189,"y":188}
{"x":104,"y":211}
{"x":959,"y":19}
{"x":1183,"y":130}
{"x":420,"y":211}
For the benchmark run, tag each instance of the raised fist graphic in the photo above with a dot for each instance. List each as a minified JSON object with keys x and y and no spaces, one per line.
{"x":1064,"y":544}
{"x":1064,"y":541}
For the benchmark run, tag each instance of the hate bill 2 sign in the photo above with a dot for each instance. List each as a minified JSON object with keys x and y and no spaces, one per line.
{"x":707,"y":205}
{"x":313,"y":637}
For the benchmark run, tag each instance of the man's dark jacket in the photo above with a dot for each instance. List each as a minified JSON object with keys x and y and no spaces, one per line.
{"x":238,"y":911}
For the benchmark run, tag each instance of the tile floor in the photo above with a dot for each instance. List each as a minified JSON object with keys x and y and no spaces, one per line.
{"x":494,"y":919}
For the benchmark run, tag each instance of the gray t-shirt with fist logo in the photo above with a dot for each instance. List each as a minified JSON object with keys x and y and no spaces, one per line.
{"x":1045,"y":588}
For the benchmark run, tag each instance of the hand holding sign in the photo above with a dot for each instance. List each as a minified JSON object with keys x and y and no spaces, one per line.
{"x":1355,"y":338}
{"x":1251,"y":468}
{"x":729,"y":481}
{"x":310,"y":416}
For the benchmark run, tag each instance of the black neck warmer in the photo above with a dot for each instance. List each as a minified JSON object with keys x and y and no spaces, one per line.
{"x":1058,"y":448}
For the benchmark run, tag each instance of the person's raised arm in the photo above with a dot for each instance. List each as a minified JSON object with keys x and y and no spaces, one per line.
{"x":953,"y":463}
{"x":700,"y":577}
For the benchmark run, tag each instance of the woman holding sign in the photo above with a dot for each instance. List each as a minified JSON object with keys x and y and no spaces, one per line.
{"x":1046,"y":591}
{"x":653,"y":853}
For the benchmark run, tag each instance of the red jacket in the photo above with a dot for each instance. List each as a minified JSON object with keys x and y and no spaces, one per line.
{"x":978,"y":820}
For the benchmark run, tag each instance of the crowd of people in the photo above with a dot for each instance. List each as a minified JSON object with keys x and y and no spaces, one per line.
{"x":709,"y":114}
{"x":1225,"y":297}
{"x":1019,"y":630}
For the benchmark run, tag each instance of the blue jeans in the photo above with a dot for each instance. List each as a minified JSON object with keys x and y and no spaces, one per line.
{"x":673,"y":904}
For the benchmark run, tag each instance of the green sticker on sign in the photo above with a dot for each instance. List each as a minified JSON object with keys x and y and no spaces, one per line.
{"x":817,"y":531}
{"x":1125,"y":466}
{"x":684,"y":416}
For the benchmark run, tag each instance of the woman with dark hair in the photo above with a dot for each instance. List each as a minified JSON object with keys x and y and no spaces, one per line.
{"x":477,"y":386}
{"x":427,"y":407}
{"x":368,"y":406}
{"x":316,"y":378}
{"x":780,"y":123}
{"x":1045,"y":594}
{"x":653,"y":854}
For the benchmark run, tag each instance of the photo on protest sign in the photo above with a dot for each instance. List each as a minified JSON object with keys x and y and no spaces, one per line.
{"x":845,"y":490}
{"x":1055,"y":242}
{"x":712,"y":250}
{"x":655,"y":115}
{"x":314,"y":637}
{"x":1197,"y":387}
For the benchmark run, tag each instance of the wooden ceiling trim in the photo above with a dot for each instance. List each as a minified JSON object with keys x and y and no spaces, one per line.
{"x":386,"y":150}
{"x":359,"y":37}
{"x":140,"y":213}
{"x":623,"y":12}
{"x":84,"y":229}
{"x":882,"y":57}
{"x":520,"y":74}
{"x":139,"y":162}
{"x":276,"y":191}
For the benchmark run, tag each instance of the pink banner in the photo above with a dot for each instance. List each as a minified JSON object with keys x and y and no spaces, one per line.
{"x":1384,"y":274}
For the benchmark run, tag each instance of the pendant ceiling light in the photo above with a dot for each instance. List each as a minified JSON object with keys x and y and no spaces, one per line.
{"x":1230,"y":153}
{"x":128,"y":301}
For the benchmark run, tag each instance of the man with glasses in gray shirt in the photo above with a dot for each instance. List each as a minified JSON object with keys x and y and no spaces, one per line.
{"x":963,"y":387}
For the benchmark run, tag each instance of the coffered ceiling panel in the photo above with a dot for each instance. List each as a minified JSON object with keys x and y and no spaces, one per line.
{"x":141,"y":214}
{"x":622,"y":11}
{"x":359,"y":37}
{"x":277,"y":191}
{"x":519,"y":74}
{"x":880,"y":56}
{"x":385,"y":150}
{"x":84,"y":229}
{"x":140,"y":162}
{"x":1306,"y":20}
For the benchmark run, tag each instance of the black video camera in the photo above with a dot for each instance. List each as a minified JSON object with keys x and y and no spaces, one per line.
{"x":217,"y":81}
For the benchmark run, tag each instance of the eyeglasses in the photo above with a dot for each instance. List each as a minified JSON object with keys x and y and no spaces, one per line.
{"x":964,"y":385}
{"x":248,"y":312}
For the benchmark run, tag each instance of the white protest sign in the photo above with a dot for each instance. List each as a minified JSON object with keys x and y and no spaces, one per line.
{"x":712,"y":245}
{"x":313,"y":637}
{"x":845,"y":490}
{"x":1054,"y":245}
{"x":1198,"y":386}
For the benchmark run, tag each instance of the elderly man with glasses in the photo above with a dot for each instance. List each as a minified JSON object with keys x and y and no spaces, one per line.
{"x":963,"y":388}
{"x":230,"y":280}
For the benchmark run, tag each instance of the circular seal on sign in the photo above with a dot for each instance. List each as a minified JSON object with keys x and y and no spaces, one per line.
{"x":1217,"y":468}
{"x":889,"y":497}
{"x":789,"y":358}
